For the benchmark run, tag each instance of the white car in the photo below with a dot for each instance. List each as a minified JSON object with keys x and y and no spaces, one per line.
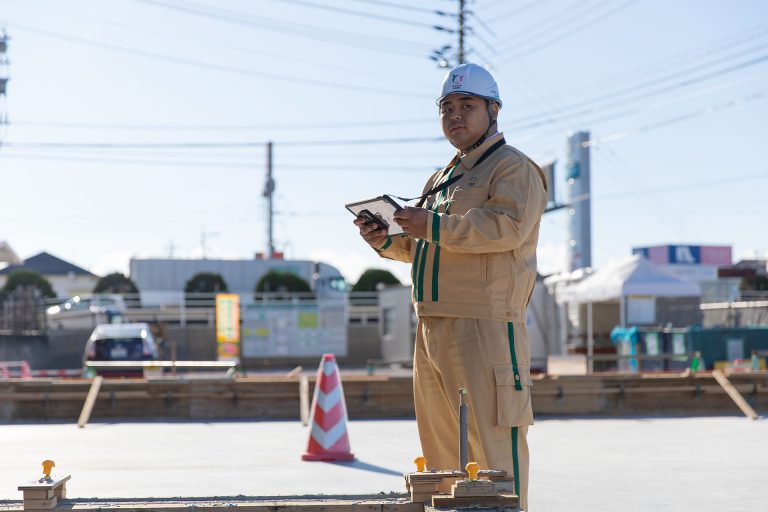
{"x":86,"y":311}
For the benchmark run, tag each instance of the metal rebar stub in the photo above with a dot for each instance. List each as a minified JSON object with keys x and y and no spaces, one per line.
{"x":463,"y":457}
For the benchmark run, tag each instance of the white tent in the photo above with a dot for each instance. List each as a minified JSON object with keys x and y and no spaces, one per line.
{"x":619,"y":280}
{"x":633,"y":275}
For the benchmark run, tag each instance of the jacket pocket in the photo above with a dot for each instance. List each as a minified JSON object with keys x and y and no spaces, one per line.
{"x":513,"y":406}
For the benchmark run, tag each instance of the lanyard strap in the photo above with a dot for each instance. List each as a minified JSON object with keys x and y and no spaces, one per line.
{"x":454,"y":179}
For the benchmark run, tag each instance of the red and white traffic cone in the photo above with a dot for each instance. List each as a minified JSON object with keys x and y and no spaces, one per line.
{"x":328,"y":439}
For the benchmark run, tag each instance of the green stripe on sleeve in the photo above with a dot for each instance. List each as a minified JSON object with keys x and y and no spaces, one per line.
{"x":386,"y":244}
{"x":422,"y":264}
{"x":511,"y":335}
{"x":414,"y":268}
{"x":435,"y":270}
{"x":435,"y":227}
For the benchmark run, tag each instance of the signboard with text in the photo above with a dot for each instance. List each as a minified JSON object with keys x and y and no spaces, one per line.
{"x":228,"y":326}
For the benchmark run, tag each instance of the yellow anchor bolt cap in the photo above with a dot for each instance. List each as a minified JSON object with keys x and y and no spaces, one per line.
{"x":472,"y":468}
{"x":48,"y":465}
{"x":421,"y":464}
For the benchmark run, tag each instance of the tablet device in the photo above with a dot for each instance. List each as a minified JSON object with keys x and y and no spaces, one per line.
{"x":380,"y":210}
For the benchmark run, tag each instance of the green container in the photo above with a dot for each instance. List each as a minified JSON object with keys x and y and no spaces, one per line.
{"x":720,"y":344}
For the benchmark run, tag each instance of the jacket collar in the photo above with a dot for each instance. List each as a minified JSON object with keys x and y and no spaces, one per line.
{"x":468,"y":161}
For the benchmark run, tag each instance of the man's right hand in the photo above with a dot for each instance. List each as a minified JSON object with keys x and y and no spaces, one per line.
{"x":371,"y":233}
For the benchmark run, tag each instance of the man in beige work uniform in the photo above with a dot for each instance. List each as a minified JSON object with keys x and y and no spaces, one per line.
{"x":472,"y":247}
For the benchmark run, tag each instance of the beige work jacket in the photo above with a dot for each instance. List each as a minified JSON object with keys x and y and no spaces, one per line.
{"x":479,"y":257}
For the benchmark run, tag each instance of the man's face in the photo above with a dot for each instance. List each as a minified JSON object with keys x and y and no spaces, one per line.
{"x":464,"y":119}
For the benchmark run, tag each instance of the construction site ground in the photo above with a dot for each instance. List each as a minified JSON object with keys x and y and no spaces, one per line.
{"x":597,"y":464}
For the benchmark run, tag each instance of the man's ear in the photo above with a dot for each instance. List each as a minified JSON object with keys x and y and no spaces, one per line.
{"x":494,"y":111}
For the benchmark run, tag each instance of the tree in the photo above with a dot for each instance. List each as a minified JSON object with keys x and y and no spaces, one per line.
{"x":372,"y":278}
{"x":29,"y":278}
{"x":276,"y":281}
{"x":206,"y":282}
{"x":116,"y":283}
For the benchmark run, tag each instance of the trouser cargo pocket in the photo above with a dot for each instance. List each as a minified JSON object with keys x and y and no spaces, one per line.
{"x":513,"y":406}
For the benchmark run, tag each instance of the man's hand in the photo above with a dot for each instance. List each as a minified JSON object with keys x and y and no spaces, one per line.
{"x":371,"y":233}
{"x":413,"y":221}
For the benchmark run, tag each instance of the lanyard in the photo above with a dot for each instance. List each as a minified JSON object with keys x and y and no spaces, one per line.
{"x":454,"y":179}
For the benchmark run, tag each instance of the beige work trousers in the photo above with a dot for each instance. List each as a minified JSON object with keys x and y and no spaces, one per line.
{"x":492,"y":360}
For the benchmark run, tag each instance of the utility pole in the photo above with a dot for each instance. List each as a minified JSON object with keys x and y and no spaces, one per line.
{"x":269,"y":189}
{"x":462,"y":14}
{"x":3,"y":80}
{"x":441,"y":56}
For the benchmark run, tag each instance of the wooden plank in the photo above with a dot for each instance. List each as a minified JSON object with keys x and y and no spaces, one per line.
{"x":90,"y":400}
{"x":734,"y":394}
{"x":502,"y":500}
{"x":40,"y":504}
{"x":43,"y":484}
{"x":304,"y":399}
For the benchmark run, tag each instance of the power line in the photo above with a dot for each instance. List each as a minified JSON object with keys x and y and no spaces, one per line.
{"x":589,"y":104}
{"x":692,"y":185}
{"x":362,"y":142}
{"x":560,"y":36}
{"x":352,"y":12}
{"x":645,"y":71}
{"x":283,"y":27}
{"x":688,"y":116}
{"x":401,"y":6}
{"x":213,"y":66}
{"x":216,"y":165}
{"x":543,"y":25}
{"x":519,"y":10}
{"x":243,"y":127}
{"x":205,"y":145}
{"x":197,"y":40}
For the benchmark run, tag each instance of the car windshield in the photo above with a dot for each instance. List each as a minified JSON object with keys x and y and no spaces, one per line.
{"x":119,"y":349}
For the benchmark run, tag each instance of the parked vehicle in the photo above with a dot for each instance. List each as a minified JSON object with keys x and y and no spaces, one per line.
{"x":121,"y":342}
{"x":86,"y":311}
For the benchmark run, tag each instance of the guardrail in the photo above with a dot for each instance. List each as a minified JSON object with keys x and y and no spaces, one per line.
{"x":104,"y":366}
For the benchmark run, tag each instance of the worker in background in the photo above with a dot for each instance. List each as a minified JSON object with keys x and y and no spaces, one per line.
{"x":472,"y":249}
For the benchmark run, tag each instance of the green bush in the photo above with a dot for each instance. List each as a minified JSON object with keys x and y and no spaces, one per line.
{"x":372,"y":278}
{"x":29,"y":278}
{"x":276,"y":281}
{"x":206,"y":282}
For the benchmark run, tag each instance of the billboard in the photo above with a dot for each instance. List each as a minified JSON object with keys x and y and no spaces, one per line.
{"x":687,"y":254}
{"x":228,"y":326}
{"x":295,"y":328}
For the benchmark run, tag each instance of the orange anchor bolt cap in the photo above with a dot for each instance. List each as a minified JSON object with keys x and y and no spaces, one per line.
{"x":472,"y":468}
{"x":421,"y":464}
{"x":48,"y":465}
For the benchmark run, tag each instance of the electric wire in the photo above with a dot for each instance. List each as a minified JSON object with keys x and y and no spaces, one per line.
{"x":352,"y":12}
{"x":213,"y":66}
{"x":283,"y":27}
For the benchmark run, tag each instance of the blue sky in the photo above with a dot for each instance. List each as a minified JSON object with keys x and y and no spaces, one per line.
{"x":673,"y":92}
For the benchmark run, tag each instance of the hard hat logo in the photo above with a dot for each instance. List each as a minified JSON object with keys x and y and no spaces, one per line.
{"x":470,"y":79}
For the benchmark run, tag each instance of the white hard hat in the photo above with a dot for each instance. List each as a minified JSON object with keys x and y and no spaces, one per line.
{"x":470,"y":79}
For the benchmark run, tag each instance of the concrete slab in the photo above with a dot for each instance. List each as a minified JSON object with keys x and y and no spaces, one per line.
{"x":635,"y":464}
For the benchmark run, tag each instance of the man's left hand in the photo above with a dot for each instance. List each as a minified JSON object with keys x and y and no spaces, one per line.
{"x":413,"y":221}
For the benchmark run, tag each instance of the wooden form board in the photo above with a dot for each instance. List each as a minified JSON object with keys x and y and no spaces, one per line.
{"x":238,"y":505}
{"x":734,"y":394}
{"x":90,"y":400}
{"x":278,"y":397}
